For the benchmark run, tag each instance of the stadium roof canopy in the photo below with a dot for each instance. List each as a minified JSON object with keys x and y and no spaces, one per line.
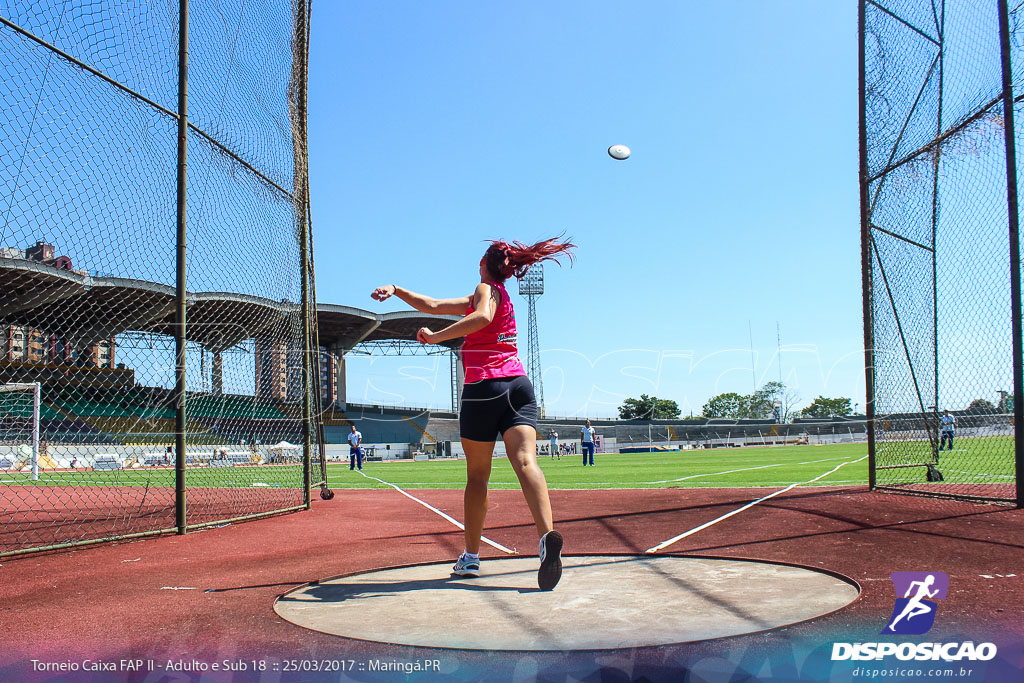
{"x":86,"y":309}
{"x":345,"y":326}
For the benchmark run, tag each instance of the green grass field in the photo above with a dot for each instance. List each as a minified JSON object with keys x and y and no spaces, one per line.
{"x":235,"y":477}
{"x":732,"y":467}
{"x":719,"y":467}
{"x":984,"y":459}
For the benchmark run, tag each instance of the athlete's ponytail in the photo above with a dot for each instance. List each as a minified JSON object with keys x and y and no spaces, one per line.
{"x":505,"y":259}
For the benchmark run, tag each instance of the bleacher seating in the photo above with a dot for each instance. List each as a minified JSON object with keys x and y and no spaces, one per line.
{"x":107,"y":461}
{"x":68,"y":430}
{"x":334,"y":417}
{"x":24,"y":410}
{"x":232,"y":405}
{"x":377,"y":424}
{"x":232,"y":459}
{"x":144,"y":415}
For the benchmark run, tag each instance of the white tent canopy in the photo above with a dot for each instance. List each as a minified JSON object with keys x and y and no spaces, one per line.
{"x":285,"y":452}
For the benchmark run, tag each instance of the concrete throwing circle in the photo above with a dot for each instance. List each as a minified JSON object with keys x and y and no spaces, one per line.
{"x":602,"y":602}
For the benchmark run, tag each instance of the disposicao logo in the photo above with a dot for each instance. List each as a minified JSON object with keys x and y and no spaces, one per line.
{"x":914,"y":613}
{"x":917,"y":594}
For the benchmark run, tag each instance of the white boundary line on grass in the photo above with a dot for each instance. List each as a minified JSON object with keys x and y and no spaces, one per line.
{"x":446,"y":516}
{"x":742,"y":469}
{"x":665,"y":544}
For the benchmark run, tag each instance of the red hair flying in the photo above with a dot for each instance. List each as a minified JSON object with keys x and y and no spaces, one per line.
{"x":505,"y":259}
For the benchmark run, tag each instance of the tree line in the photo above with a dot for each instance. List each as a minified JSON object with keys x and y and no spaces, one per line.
{"x":772,"y":401}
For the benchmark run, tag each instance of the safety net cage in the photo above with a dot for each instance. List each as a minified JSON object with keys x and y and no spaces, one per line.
{"x":155,"y":268}
{"x":941,"y":84}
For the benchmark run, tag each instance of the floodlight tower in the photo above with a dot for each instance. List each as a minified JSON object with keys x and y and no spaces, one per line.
{"x":532,"y":286}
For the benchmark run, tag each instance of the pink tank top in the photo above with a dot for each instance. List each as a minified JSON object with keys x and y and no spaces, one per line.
{"x":491,"y":352}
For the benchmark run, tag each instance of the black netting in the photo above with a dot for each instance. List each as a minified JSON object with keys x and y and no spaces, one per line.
{"x":938,"y":226}
{"x":88,"y":266}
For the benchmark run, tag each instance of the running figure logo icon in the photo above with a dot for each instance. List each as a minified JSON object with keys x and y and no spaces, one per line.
{"x":914,"y":613}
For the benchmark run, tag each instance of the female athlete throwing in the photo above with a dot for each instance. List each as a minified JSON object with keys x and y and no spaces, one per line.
{"x":497,"y":397}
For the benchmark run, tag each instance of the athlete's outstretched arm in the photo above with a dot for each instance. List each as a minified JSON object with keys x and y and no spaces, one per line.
{"x":421,"y":302}
{"x":485,"y":305}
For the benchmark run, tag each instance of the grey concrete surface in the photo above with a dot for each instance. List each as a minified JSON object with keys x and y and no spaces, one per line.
{"x":602,"y":602}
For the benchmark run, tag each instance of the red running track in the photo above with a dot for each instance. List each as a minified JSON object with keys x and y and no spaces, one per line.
{"x":208,"y":596}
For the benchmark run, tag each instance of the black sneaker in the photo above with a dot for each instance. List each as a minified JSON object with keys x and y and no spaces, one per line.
{"x":550,"y":561}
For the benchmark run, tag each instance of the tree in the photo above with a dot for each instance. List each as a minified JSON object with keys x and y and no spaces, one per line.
{"x":728,"y":405}
{"x":759,"y":405}
{"x":763,"y":402}
{"x":784,"y":399}
{"x":980,"y":405}
{"x":648,"y":408}
{"x":828,"y":407}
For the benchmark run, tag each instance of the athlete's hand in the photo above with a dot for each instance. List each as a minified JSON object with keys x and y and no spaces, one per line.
{"x":385,"y":292}
{"x":426,"y":336}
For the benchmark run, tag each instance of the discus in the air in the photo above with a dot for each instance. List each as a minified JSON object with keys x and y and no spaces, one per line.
{"x":618,"y":152}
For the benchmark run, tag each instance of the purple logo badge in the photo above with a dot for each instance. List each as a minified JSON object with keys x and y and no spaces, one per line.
{"x":916,"y":596}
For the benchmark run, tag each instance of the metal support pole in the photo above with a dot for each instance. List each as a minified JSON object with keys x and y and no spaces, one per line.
{"x":179,"y":329}
{"x":36,"y":405}
{"x":310,"y":353}
{"x":865,"y":249}
{"x":452,"y":360}
{"x":936,"y":160}
{"x":1009,"y":132}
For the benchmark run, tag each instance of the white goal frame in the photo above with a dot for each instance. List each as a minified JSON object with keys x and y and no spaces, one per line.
{"x":36,"y":396}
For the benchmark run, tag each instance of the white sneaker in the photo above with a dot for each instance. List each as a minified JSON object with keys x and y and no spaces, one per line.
{"x":465,"y":566}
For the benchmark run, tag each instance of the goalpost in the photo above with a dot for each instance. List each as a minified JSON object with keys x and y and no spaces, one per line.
{"x":19,"y":422}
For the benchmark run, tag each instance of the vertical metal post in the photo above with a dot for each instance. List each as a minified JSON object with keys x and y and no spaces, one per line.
{"x":454,"y":359}
{"x":302,"y":197}
{"x":318,"y":405}
{"x":36,"y":405}
{"x":1009,"y":132}
{"x":865,"y":248}
{"x":935,"y":221}
{"x":179,"y":329}
{"x":533,"y":341}
{"x":460,"y":380}
{"x":307,"y":390}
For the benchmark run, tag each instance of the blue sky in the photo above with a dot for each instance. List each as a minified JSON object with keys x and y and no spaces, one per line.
{"x":435,"y":126}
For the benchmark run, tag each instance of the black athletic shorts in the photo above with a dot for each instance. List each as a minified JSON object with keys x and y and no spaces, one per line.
{"x":491,"y":406}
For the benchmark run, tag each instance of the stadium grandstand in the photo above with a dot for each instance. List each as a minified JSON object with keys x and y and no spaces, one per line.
{"x":89,"y":397}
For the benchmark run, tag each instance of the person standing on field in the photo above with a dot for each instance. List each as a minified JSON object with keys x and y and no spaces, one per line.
{"x":587,"y":436}
{"x":947,"y":425}
{"x":355,"y":451}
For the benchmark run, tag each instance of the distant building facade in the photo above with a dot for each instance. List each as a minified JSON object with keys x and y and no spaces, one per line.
{"x":24,"y":344}
{"x":279,"y":373}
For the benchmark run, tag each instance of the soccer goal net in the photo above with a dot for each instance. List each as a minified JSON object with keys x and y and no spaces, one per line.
{"x":19,"y":427}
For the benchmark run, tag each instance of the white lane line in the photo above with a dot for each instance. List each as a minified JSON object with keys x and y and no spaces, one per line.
{"x":446,"y":516}
{"x":743,"y":469}
{"x":767,"y":484}
{"x":662,"y":546}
